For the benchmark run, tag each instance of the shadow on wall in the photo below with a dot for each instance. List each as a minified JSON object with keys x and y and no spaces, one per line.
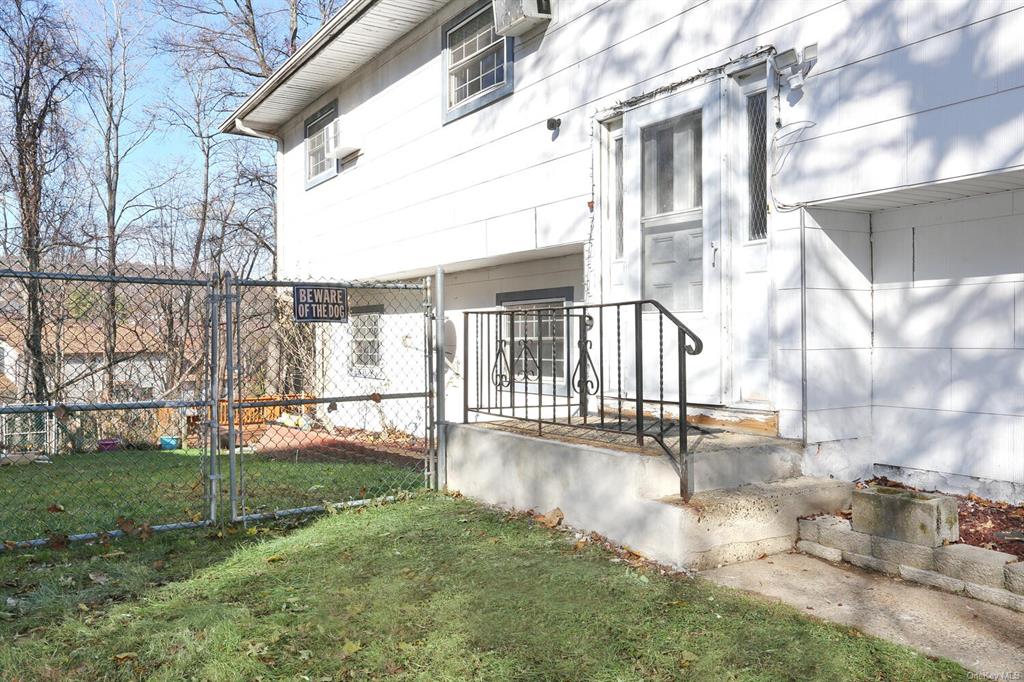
{"x":945,"y":103}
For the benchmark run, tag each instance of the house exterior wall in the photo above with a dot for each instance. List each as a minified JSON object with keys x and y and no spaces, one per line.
{"x":948,"y":362}
{"x":902,"y":93}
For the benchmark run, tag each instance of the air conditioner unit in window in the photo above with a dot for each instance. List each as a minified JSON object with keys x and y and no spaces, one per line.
{"x":339,"y":146}
{"x":516,"y":17}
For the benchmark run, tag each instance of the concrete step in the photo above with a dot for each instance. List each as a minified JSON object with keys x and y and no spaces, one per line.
{"x":726,"y":460}
{"x":721,"y":527}
{"x":611,"y":493}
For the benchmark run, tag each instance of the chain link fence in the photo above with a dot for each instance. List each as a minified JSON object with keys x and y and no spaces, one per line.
{"x":140,"y":400}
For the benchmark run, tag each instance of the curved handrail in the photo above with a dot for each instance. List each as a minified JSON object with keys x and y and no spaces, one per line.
{"x":697,"y":346}
{"x":695,"y":349}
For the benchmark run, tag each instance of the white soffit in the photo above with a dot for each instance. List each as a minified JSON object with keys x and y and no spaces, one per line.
{"x":974,"y":185}
{"x":360,"y":31}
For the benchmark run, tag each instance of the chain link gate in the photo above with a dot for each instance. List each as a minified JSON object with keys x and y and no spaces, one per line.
{"x":326,"y":413}
{"x":134,"y":402}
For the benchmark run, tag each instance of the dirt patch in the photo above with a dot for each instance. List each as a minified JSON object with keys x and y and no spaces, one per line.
{"x":980,"y":520}
{"x":286,"y":443}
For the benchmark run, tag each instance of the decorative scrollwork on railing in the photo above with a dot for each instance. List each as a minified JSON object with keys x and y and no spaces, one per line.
{"x":501,"y":371}
{"x":585,"y":377}
{"x":525,"y":364}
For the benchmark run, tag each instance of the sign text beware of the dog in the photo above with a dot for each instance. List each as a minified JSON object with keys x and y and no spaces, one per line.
{"x":320,"y":304}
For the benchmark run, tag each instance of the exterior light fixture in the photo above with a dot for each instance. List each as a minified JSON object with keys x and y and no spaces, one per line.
{"x":554,"y":123}
{"x":792,"y":67}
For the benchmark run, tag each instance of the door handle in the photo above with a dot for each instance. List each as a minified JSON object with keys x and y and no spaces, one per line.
{"x":714,"y":253}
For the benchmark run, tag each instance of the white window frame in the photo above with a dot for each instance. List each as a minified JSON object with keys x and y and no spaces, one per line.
{"x":366,"y":317}
{"x":329,"y":113}
{"x":452,"y":112}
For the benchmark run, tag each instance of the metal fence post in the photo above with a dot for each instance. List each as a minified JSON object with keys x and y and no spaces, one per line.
{"x":439,"y":380}
{"x":229,"y":374}
{"x":638,"y":320}
{"x":214,"y":389}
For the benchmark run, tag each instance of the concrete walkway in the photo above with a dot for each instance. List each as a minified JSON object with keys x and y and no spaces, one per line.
{"x":984,"y":638}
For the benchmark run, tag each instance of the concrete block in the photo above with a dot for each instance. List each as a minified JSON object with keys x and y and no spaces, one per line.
{"x":871,"y":563}
{"x":903,"y":553}
{"x":918,"y":518}
{"x":1014,"y":574}
{"x":931,"y":578}
{"x":820,"y":551}
{"x":808,"y":530}
{"x":993,"y":595}
{"x":973,"y":564}
{"x":836,"y":532}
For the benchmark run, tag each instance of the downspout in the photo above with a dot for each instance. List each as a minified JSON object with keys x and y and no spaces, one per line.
{"x":803,"y":324}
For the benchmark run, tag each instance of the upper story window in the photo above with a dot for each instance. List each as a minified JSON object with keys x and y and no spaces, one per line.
{"x":320,"y":134}
{"x":478,"y":62}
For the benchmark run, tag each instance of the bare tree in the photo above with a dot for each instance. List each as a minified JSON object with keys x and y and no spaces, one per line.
{"x":40,"y":66}
{"x":115,"y":43}
{"x":243,"y":40}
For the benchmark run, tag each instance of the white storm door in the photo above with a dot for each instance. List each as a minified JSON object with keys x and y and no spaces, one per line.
{"x":673,"y":197}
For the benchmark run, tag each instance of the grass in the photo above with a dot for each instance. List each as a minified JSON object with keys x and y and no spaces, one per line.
{"x":86,"y":492}
{"x":429,"y":588}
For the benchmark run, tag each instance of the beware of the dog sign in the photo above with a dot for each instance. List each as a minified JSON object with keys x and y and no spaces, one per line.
{"x":320,"y":304}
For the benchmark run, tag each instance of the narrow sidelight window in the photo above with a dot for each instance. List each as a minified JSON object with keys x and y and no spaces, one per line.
{"x":757,"y":165}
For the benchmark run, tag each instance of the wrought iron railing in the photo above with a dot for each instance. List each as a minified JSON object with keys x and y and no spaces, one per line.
{"x":615,"y":369}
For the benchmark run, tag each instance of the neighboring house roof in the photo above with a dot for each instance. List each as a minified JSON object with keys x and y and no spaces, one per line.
{"x":361,"y":30}
{"x":85,"y":338}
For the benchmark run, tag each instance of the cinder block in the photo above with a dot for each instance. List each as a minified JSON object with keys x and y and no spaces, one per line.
{"x":903,"y":553}
{"x":993,"y":595}
{"x":809,"y":529}
{"x":871,"y":563}
{"x":1014,"y":574}
{"x":836,"y":533}
{"x":820,"y":551}
{"x":931,"y":578}
{"x":972,"y":564}
{"x":925,"y":519}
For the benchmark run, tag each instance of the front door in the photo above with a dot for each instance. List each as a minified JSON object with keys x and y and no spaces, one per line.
{"x":673,"y":218}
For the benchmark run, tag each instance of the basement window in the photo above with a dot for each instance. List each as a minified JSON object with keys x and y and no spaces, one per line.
{"x":365,"y":327}
{"x":478,"y":62}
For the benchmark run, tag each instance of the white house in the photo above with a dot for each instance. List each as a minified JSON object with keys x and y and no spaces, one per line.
{"x":830,"y":194}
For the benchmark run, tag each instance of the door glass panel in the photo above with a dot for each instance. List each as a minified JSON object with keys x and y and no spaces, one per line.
{"x":671,"y":168}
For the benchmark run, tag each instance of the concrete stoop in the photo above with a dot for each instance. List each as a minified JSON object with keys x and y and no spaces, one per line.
{"x":629,"y":497}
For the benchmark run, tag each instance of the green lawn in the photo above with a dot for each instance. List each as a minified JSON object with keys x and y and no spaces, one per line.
{"x":86,"y":492}
{"x":429,"y":588}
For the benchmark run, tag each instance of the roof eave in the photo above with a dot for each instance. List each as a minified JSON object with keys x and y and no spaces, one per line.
{"x":337,"y":24}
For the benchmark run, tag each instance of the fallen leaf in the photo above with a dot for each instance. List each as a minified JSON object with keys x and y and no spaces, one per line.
{"x":145,"y":532}
{"x":99,"y":578}
{"x":686,"y":658}
{"x":552,"y":518}
{"x":55,"y":508}
{"x":127,"y":526}
{"x":274,"y":558}
{"x":158,"y":565}
{"x":125,"y":657}
{"x":349,"y":648}
{"x":57,"y":541}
